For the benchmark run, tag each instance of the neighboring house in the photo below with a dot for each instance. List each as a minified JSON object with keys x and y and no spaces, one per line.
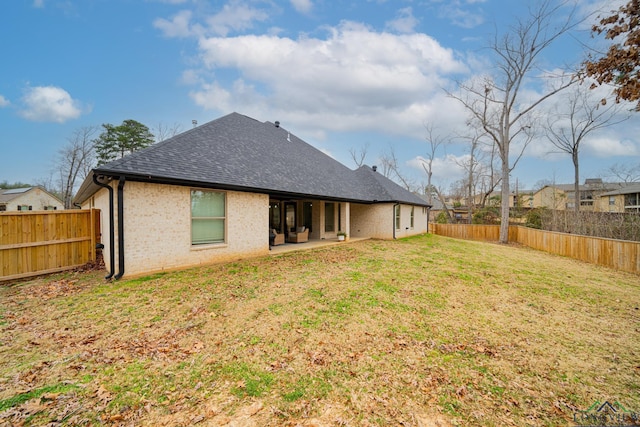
{"x":626,"y":199}
{"x":563,"y":197}
{"x":520,"y":198}
{"x":28,"y":199}
{"x":215,"y":192}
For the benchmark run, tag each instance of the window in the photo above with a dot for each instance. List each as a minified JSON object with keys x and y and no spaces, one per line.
{"x":412,"y":215}
{"x":208,"y":210}
{"x":632,"y":199}
{"x":3,"y":208}
{"x":397,"y":214}
{"x":329,"y":217}
{"x":274,"y":216}
{"x":612,"y":200}
{"x":24,"y":207}
{"x":306,"y":215}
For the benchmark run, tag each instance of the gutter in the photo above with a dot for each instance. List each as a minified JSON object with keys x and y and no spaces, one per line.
{"x":112,"y":261}
{"x":121,"y":182}
{"x":394,"y":219}
{"x":238,"y":187}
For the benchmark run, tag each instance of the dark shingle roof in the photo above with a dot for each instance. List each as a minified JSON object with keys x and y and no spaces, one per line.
{"x":381,"y":189}
{"x":238,"y":152}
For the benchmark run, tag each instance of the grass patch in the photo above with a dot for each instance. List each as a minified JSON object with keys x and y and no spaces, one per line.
{"x":421,"y":330}
{"x":21,"y":398}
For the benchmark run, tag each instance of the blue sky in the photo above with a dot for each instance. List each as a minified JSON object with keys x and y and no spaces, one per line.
{"x":339,"y":74}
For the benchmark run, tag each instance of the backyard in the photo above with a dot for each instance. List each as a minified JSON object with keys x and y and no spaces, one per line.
{"x":425,"y":331}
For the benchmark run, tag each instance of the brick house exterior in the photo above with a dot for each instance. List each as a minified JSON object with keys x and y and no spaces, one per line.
{"x":248,"y":178}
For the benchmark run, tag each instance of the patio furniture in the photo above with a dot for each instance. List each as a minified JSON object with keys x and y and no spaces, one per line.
{"x":278,"y":238}
{"x":299,"y":236}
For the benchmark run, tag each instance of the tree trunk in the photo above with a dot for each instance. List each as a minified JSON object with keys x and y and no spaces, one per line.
{"x":505,"y":193}
{"x":576,"y":183}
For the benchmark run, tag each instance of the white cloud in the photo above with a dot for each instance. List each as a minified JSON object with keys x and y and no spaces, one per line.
{"x":39,"y":4}
{"x":354,"y":79}
{"x":302,"y":6}
{"x":49,"y":104}
{"x":178,"y":26}
{"x":4,"y":101}
{"x":460,"y":14}
{"x":605,"y":146}
{"x":445,"y":168}
{"x":235,"y":16}
{"x":405,"y":22}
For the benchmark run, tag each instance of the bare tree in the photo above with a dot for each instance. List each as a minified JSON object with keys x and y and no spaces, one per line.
{"x":435,"y":141}
{"x":626,"y":173}
{"x":74,"y":162}
{"x":573,"y":119}
{"x":359,"y":156}
{"x":472,"y":167}
{"x":489,"y":177}
{"x":163,"y":131}
{"x":391,"y":169}
{"x":499,"y":106}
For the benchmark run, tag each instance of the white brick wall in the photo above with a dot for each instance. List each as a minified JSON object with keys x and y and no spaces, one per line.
{"x":157,"y":232}
{"x":377,"y":221}
{"x":157,"y":229}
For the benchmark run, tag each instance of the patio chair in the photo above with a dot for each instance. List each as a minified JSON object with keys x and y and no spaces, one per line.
{"x":299,"y":236}
{"x":278,"y":239}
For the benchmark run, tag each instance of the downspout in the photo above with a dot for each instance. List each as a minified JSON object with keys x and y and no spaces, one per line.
{"x":120,"y":228}
{"x":394,"y":220}
{"x":112,"y":261}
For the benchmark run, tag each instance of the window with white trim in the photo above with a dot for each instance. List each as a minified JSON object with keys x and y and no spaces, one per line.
{"x":397,"y":214}
{"x":412,"y":216}
{"x":208,"y":217}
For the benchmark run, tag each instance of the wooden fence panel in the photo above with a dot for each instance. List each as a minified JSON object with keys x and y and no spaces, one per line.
{"x":33,"y":243}
{"x":468,"y":231}
{"x":618,"y":254}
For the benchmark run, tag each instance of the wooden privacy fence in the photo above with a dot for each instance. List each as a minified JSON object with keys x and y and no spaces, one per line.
{"x":618,"y":254}
{"x":33,"y":243}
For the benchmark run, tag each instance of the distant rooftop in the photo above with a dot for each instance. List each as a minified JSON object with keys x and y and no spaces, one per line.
{"x":15,"y":190}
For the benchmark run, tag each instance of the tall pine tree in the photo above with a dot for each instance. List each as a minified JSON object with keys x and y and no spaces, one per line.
{"x":116,"y":142}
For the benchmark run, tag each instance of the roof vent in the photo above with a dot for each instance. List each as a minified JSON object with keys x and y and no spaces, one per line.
{"x":277,"y":124}
{"x":374,"y":167}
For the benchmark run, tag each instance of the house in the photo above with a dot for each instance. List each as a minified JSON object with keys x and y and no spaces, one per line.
{"x":28,"y":199}
{"x":594,"y":195}
{"x":217,"y":192}
{"x":625,"y":199}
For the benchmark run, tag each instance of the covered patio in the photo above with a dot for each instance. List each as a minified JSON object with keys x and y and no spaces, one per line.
{"x":322,"y":219}
{"x":311,"y":244}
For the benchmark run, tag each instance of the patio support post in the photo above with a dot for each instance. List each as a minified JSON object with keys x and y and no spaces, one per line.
{"x":347,"y":218}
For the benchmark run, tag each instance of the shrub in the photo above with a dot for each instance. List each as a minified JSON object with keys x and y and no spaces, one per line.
{"x":534,"y":218}
{"x":442,"y":218}
{"x":487,"y":215}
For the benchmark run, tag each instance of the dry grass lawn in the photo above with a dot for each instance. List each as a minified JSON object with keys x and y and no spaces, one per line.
{"x":426,"y":331}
